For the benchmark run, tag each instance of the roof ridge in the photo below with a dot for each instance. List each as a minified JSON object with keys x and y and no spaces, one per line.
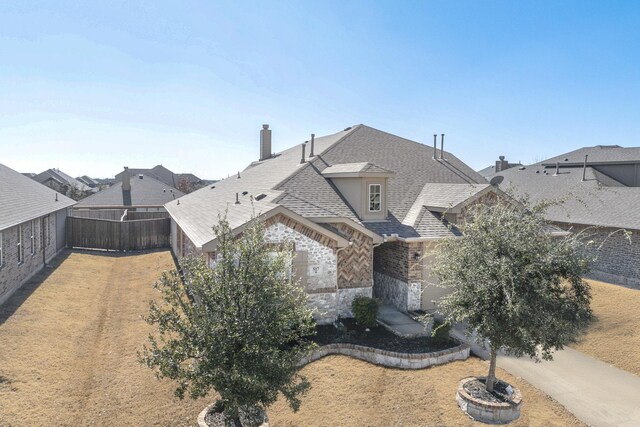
{"x":316,"y":157}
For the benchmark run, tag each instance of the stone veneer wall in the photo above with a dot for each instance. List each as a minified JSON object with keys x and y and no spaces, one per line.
{"x":14,"y":275}
{"x":618,"y":260}
{"x":398,"y":272}
{"x":317,"y":255}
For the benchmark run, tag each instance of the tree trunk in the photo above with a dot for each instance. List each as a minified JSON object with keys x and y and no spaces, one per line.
{"x":491,"y":378}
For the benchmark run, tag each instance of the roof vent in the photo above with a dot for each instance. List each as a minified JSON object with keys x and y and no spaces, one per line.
{"x":346,"y":129}
{"x":303,"y":149}
{"x":213,"y":186}
{"x":313,"y":138}
{"x":140,"y":176}
{"x":522,"y":168}
{"x":261,"y":196}
{"x":237,"y":199}
{"x":244,"y":193}
{"x":442,"y":147}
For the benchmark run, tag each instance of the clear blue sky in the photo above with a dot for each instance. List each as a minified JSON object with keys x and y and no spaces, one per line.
{"x":92,"y":86}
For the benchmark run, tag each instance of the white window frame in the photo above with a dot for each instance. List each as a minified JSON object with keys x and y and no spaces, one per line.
{"x":33,"y":239}
{"x":370,"y":201}
{"x":20,"y":245}
{"x":1,"y":251}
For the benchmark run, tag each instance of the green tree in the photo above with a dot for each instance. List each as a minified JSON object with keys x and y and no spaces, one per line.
{"x":514,"y":283}
{"x":239,"y":328}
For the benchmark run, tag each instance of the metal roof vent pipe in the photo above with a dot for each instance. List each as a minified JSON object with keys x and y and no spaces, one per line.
{"x":313,"y":140}
{"x":584,"y":168}
{"x":238,"y":175}
{"x":237,"y":199}
{"x":557,"y":169}
{"x":265,"y":142}
{"x":442,"y":147}
{"x":435,"y":142}
{"x":304,"y":146}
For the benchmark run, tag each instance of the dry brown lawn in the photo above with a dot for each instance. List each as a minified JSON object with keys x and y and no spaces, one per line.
{"x":614,"y":337}
{"x":68,"y":352}
{"x":68,"y":346}
{"x":350,"y":392}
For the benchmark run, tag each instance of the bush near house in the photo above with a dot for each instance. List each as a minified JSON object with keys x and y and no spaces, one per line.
{"x":365,"y":311}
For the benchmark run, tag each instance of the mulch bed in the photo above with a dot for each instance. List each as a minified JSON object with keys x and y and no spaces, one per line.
{"x":476,"y":388}
{"x":348,"y":331}
{"x":215,"y":418}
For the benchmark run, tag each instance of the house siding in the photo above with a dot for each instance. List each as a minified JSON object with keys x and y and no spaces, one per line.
{"x":14,"y":274}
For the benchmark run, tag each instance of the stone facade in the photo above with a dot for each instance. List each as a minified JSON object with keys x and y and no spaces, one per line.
{"x":13,"y":273}
{"x":321,"y":261}
{"x":331,"y":276}
{"x":618,"y":259}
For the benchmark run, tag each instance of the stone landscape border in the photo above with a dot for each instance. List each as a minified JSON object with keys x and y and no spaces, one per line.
{"x":391,"y":359}
{"x":488,"y":412}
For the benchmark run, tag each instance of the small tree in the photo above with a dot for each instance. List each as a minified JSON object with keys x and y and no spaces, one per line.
{"x":240,"y":327}
{"x":514,"y":283}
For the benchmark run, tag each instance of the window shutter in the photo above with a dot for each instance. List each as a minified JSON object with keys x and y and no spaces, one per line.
{"x":299,"y":265}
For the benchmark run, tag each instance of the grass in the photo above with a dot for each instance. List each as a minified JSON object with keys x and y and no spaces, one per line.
{"x":614,"y":337}
{"x":68,"y":347}
{"x":68,"y":344}
{"x":350,"y":392}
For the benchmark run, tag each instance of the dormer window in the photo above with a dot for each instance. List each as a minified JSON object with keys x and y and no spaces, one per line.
{"x":375,"y":197}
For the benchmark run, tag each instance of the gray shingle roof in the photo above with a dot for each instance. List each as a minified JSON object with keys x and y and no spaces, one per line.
{"x":23,"y":199}
{"x":599,"y":200}
{"x":144,"y":192}
{"x":597,"y":155}
{"x":303,"y":189}
{"x":62,"y":178}
{"x":355,"y":168}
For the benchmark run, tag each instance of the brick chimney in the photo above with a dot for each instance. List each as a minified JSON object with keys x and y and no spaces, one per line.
{"x":265,"y":142}
{"x":126,"y":179}
{"x":501,"y":164}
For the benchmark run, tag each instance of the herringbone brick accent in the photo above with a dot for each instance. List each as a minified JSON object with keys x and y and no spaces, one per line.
{"x":355,"y":263}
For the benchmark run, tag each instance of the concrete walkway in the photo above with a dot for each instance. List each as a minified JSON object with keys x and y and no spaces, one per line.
{"x":595,"y":392}
{"x":399,"y":323}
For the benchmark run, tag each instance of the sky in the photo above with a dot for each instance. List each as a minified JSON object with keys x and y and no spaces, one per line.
{"x":90,"y":87}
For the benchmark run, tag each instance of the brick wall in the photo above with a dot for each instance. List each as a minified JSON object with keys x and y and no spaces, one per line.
{"x":355,"y":262}
{"x":617,"y":260}
{"x":399,"y":260}
{"x":12,"y":273}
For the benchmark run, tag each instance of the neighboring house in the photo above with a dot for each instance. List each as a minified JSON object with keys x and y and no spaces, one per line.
{"x":599,"y":187}
{"x":88,"y":181}
{"x":363,"y":210}
{"x":133,"y":192}
{"x":501,"y":165}
{"x":182,"y":181}
{"x":32,"y":228}
{"x":62,"y":183}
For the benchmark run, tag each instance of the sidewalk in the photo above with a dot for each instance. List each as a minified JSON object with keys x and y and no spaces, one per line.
{"x":400,"y":323}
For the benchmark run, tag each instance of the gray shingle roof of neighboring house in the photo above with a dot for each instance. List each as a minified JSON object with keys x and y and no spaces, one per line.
{"x":599,"y":200}
{"x":23,"y":199}
{"x":145,"y":191}
{"x":489,"y":171}
{"x":302,"y":188}
{"x":163,"y":174}
{"x":600,"y":154}
{"x":61,"y":178}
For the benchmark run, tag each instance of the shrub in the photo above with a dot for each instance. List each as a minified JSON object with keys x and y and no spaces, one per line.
{"x":440,"y":331}
{"x":365,"y":310}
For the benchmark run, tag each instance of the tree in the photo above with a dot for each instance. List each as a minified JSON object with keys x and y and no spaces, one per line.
{"x":74,"y":192}
{"x":514,"y":283}
{"x":239,"y":327}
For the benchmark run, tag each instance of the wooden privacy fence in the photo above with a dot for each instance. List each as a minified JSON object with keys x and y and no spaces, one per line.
{"x":118,"y":235}
{"x":116,"y":214}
